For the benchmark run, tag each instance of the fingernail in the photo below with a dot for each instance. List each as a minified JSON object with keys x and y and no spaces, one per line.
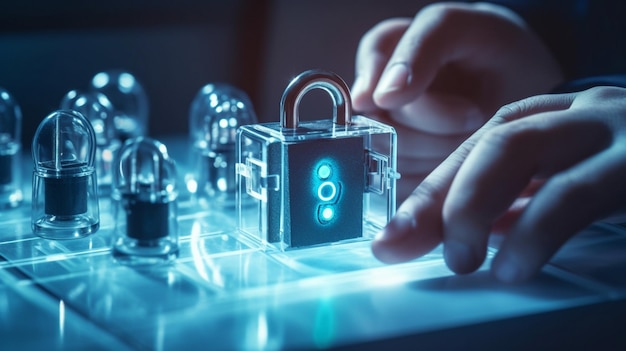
{"x":459,"y":256}
{"x":400,"y":225}
{"x":396,"y":77}
{"x":508,"y":271}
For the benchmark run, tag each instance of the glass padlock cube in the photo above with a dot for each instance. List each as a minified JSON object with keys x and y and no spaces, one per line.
{"x":318,"y":182}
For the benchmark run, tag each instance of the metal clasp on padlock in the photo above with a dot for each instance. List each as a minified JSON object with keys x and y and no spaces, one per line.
{"x":315,"y":79}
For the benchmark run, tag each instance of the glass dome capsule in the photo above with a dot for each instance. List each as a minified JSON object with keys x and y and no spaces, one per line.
{"x":145,"y":195}
{"x":65,"y":197}
{"x":128,"y":98}
{"x":10,"y":150}
{"x":216,"y":112}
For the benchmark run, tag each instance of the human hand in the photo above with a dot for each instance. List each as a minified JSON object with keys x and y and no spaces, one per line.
{"x":573,"y":145}
{"x":438,"y":77}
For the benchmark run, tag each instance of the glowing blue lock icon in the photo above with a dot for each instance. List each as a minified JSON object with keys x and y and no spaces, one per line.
{"x":317,"y":182}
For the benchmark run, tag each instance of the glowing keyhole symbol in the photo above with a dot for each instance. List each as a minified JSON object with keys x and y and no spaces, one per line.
{"x":327,"y":191}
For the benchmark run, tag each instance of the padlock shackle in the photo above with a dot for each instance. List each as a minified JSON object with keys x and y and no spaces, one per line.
{"x":315,"y":79}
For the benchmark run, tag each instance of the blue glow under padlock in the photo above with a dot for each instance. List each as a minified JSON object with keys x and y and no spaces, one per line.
{"x":315,"y":182}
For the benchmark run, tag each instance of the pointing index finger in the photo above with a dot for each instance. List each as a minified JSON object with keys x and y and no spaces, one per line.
{"x":417,"y":227}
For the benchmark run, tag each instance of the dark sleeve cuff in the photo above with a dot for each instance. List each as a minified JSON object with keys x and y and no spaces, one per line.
{"x":617,"y":80}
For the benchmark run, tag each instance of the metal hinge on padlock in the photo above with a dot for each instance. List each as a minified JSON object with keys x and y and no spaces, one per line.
{"x":315,"y":182}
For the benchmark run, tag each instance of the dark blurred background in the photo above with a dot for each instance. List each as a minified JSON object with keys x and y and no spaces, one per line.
{"x":174,"y":48}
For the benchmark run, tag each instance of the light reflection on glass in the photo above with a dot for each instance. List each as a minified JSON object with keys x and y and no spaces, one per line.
{"x":324,"y":328}
{"x":101,"y":79}
{"x":257,"y":334}
{"x":61,"y":320}
{"x":215,"y":115}
{"x":192,"y":185}
{"x":4,"y":307}
{"x":126,"y":82}
{"x":128,"y":99}
{"x":201,"y":259}
{"x":160,"y":334}
{"x":262,"y":330}
{"x":77,"y":291}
